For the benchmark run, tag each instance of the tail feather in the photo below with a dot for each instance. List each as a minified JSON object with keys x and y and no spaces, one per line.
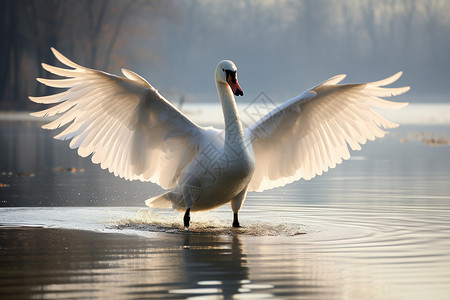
{"x":167,"y":200}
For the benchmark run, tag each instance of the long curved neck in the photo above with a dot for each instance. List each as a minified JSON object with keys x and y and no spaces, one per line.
{"x":234,"y":134}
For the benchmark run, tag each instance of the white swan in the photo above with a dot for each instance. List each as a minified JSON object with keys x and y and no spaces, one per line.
{"x":135,"y":133}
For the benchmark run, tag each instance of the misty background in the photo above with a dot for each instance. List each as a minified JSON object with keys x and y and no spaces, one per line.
{"x":280,"y":48}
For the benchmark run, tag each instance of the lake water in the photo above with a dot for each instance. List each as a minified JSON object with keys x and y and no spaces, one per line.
{"x":376,"y":227}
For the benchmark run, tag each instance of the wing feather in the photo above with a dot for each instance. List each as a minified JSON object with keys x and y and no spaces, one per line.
{"x":309,"y":134}
{"x":123,"y":122}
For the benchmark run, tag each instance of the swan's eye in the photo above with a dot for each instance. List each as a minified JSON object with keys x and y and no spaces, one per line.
{"x":231,"y":75}
{"x":223,"y":69}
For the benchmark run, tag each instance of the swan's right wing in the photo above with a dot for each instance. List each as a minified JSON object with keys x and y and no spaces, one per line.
{"x":127,"y":126}
{"x":309,"y":134}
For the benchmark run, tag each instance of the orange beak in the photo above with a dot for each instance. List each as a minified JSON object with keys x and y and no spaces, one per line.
{"x":234,"y":85}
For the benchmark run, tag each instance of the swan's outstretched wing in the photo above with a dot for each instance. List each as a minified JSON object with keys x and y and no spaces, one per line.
{"x":130,"y":129}
{"x":307,"y":135}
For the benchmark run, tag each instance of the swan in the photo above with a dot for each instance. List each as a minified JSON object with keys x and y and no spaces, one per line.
{"x":129,"y":128}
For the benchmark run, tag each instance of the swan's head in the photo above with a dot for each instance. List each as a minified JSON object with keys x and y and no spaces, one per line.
{"x":226,"y":72}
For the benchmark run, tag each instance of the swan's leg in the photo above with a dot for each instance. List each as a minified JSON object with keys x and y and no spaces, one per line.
{"x":236,"y":204}
{"x":187,"y":218}
{"x":191,"y":190}
{"x":235,"y":220}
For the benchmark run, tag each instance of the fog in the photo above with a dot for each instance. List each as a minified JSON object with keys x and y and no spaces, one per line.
{"x":280,"y":47}
{"x":285,"y":47}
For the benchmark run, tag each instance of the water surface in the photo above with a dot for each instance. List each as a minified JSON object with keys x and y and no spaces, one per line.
{"x":376,"y":227}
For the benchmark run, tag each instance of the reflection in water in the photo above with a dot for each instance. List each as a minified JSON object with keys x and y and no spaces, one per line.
{"x":56,"y":264}
{"x":61,"y":264}
{"x":217,"y":264}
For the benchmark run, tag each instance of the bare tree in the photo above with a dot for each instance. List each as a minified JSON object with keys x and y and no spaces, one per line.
{"x":91,"y":29}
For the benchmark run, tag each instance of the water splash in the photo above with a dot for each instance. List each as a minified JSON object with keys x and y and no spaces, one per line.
{"x":204,"y":223}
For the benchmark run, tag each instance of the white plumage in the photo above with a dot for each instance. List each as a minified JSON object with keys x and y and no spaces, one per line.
{"x":135,"y":133}
{"x":307,"y":135}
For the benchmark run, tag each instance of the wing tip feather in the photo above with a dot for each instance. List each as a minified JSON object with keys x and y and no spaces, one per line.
{"x":34,"y":99}
{"x":65,"y":60}
{"x":386,"y":81}
{"x":335,"y":79}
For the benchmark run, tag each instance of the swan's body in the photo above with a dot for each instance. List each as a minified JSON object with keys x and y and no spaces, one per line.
{"x":132,"y":131}
{"x":223,"y":165}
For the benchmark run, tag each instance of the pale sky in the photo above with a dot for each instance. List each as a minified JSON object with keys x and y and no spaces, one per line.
{"x":285,"y":47}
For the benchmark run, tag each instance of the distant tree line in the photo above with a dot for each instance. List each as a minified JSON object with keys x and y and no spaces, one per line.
{"x":181,"y":41}
{"x":94,"y":30}
{"x":364,"y":38}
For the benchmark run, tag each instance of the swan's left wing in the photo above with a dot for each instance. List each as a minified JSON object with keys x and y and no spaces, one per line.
{"x":127,"y":126}
{"x":307,"y":135}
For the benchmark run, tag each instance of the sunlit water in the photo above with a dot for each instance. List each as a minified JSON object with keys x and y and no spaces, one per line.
{"x":376,"y":227}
